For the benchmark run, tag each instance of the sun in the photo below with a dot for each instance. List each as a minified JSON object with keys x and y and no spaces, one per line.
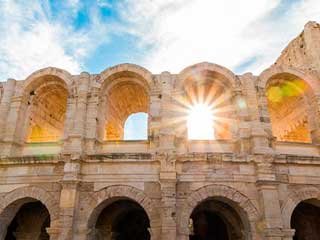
{"x":200,"y":122}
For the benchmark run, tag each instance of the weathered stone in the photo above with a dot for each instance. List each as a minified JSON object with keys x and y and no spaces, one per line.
{"x":62,"y":152}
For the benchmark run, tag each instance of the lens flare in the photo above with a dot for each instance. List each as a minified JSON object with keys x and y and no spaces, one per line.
{"x":200,"y":122}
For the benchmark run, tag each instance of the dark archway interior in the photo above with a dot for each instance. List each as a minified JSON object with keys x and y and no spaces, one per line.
{"x":306,"y":221}
{"x":209,"y":225}
{"x":215,"y":220}
{"x":123,"y":220}
{"x":30,"y":222}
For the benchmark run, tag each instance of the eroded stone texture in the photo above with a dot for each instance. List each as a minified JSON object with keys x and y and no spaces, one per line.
{"x":62,"y":147}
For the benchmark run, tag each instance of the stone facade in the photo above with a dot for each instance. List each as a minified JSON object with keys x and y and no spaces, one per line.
{"x":61,"y":152}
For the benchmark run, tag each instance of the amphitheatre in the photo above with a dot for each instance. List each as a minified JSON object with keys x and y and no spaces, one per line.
{"x":66,"y":171}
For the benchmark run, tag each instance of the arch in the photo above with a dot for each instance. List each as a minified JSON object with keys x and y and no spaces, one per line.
{"x":140,"y":72}
{"x":288,"y":99}
{"x":206,"y":66}
{"x":213,"y":86}
{"x":221,"y":192}
{"x":99,"y":200}
{"x":12,"y":202}
{"x":124,"y":90}
{"x":34,"y":80}
{"x":24,"y":194}
{"x":269,"y":73}
{"x":294,"y":198}
{"x":45,"y":89}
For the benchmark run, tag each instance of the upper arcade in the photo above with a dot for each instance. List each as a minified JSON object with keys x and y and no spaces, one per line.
{"x":204,"y":108}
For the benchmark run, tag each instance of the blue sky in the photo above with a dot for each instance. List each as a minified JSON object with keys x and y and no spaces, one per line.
{"x":160,"y":35}
{"x":136,"y":127}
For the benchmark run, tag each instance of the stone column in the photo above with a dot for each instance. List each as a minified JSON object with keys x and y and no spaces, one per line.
{"x":168,"y":180}
{"x":12,"y":137}
{"x":69,"y":196}
{"x":91,"y":136}
{"x":167,"y":131}
{"x":261,"y":133}
{"x":269,"y":198}
{"x":313,"y":119}
{"x":5,"y":103}
{"x":168,"y":208}
{"x":241,"y":135}
{"x":76,"y":116}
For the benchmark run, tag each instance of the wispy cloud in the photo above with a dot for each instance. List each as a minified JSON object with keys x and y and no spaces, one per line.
{"x":246,"y":35}
{"x":242,"y":35}
{"x":34,"y":37}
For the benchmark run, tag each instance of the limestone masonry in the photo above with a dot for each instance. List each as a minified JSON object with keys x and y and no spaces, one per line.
{"x":66,"y":172}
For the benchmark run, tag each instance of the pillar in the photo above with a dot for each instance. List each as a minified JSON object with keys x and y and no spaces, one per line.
{"x":260,"y":137}
{"x":76,"y":117}
{"x":14,"y":127}
{"x":168,"y":181}
{"x":168,"y":205}
{"x":242,"y":133}
{"x":69,"y":196}
{"x":8,"y":92}
{"x":92,"y":119}
{"x":269,"y":198}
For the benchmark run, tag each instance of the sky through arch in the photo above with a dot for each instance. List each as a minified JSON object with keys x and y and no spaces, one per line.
{"x":136,"y":127}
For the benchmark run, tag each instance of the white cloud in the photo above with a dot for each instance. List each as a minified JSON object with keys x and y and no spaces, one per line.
{"x":33,"y":39}
{"x":173,"y":33}
{"x":227,"y":32}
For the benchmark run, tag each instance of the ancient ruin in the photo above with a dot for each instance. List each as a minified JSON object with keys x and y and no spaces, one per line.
{"x":227,"y":157}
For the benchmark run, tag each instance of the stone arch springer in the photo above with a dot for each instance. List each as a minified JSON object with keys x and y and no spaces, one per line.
{"x":190,"y":70}
{"x":267,"y":74}
{"x":126,"y":67}
{"x":32,"y":79}
{"x":220,"y":191}
{"x":114,"y":192}
{"x":294,"y":198}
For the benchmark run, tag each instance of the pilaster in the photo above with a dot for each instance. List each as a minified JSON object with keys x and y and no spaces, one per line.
{"x":8,"y":92}
{"x":13,"y":133}
{"x":269,"y":198}
{"x":69,"y":196}
{"x":77,"y":116}
{"x":168,"y":180}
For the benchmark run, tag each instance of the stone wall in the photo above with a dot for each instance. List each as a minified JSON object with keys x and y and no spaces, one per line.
{"x":245,"y":175}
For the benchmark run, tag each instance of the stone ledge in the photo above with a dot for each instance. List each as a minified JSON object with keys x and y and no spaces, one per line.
{"x":31,"y":159}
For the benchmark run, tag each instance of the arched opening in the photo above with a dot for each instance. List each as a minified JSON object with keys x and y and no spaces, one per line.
{"x":210,"y":108}
{"x":291,"y":104}
{"x":216,"y":219}
{"x":136,"y":127}
{"x":30,"y":222}
{"x":47,"y":103}
{"x":123,"y":219}
{"x":305,"y":220}
{"x":124,"y":94}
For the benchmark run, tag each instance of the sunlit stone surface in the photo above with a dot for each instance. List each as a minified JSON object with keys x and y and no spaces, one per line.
{"x":226,"y":157}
